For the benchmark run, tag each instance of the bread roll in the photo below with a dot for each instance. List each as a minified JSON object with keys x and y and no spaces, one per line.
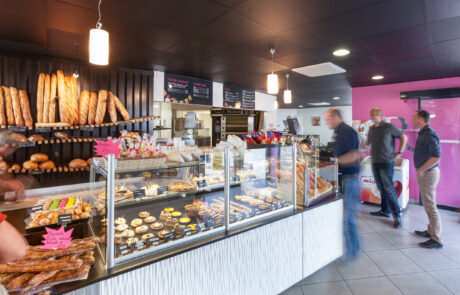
{"x":121,"y":108}
{"x":47,"y":165}
{"x":101,"y":106}
{"x":92,"y":108}
{"x":111,"y":107}
{"x":25,"y":108}
{"x":16,"y":107}
{"x":8,"y":106}
{"x":78,"y":163}
{"x":30,"y":165}
{"x":52,"y":109}
{"x":2,"y":108}
{"x":62,"y":97}
{"x":36,"y":137}
{"x":40,"y":85}
{"x":38,"y":157}
{"x":16,"y":167}
{"x":89,"y":161}
{"x":84,"y":107}
{"x":46,"y":99}
{"x":4,"y":167}
{"x":74,"y":88}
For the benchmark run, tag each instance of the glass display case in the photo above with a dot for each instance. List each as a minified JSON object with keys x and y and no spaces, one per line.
{"x":143,"y":209}
{"x":317,"y":176}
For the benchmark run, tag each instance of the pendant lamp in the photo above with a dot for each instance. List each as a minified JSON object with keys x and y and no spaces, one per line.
{"x":272,"y":79}
{"x":287,"y":93}
{"x":99,"y":43}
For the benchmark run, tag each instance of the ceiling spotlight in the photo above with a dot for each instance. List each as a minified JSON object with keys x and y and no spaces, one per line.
{"x":287,"y":92}
{"x":272,"y":79}
{"x":99,"y":43}
{"x":300,"y":106}
{"x":377,"y":77}
{"x":336,"y":98}
{"x":341,"y":52}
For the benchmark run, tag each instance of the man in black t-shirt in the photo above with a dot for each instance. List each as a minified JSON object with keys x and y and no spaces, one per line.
{"x":347,"y":153}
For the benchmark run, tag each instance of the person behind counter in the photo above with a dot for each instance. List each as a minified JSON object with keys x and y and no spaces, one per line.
{"x":8,"y":145}
{"x":347,"y":152}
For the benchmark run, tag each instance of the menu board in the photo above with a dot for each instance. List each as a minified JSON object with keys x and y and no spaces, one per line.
{"x":238,"y":97}
{"x":182,"y":89}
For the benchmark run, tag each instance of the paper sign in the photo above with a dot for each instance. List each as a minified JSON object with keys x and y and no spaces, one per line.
{"x":57,"y":239}
{"x":104,"y":148}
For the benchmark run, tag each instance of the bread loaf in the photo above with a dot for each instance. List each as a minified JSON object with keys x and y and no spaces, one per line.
{"x":78,"y":163}
{"x":16,"y":167}
{"x":39,"y":157}
{"x":92,"y":108}
{"x":74,"y":99}
{"x":62,"y":97}
{"x":121,"y":108}
{"x":2,"y":108}
{"x":19,"y":137}
{"x":52,"y":108}
{"x":25,"y":108}
{"x":8,"y":106}
{"x":40,"y":85}
{"x":16,"y":107}
{"x":30,"y":165}
{"x":47,"y":165}
{"x":111,"y":107}
{"x":101,"y":106}
{"x":84,"y":107}
{"x":36,"y":137}
{"x":46,"y":99}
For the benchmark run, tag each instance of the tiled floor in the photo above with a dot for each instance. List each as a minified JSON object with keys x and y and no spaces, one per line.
{"x":391,"y":261}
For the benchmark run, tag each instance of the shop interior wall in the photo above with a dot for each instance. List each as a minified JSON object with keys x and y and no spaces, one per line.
{"x":387,"y":97}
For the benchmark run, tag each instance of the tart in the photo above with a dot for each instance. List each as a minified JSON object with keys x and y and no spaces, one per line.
{"x":178,"y":228}
{"x":131,"y":241}
{"x":129,"y":233}
{"x":165,"y":215}
{"x":150,"y":219}
{"x":146,"y":236}
{"x":136,"y":222}
{"x":171,"y":221}
{"x":176,"y":214}
{"x":118,"y":241}
{"x":184,"y":220}
{"x":144,"y":214}
{"x":142,"y":229}
{"x":120,"y":220}
{"x":168,"y":209}
{"x":162,"y":233}
{"x":157,"y":226}
{"x":192,"y":226}
{"x":122,"y":227}
{"x":269,"y":199}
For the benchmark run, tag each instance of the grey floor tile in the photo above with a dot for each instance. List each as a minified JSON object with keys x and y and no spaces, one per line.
{"x":393,"y":262}
{"x":373,"y":286}
{"x":328,"y":273}
{"x":449,"y":278}
{"x":402,"y":239}
{"x":359,"y":268}
{"x":429,"y":259}
{"x":296,"y":290}
{"x":418,"y":284}
{"x":364,"y":228}
{"x":451,"y":249}
{"x":336,"y":288}
{"x":374,"y":242}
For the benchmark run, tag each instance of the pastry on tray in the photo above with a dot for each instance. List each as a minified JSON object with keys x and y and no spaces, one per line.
{"x":183,"y":186}
{"x":122,"y":227}
{"x":150,"y":219}
{"x":146,"y":236}
{"x":184,"y":220}
{"x":171,"y":221}
{"x":144,"y":214}
{"x":168,"y":209}
{"x":165,"y":215}
{"x":176,"y":214}
{"x":136,"y":222}
{"x":157,"y":226}
{"x":142,"y":229}
{"x":162,"y":233}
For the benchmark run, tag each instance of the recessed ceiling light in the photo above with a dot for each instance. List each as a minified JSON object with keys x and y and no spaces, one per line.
{"x":432,"y":116}
{"x":319,"y":103}
{"x":300,"y":106}
{"x":322,"y":69}
{"x":341,"y":52}
{"x":336,"y":97}
{"x":377,"y":77}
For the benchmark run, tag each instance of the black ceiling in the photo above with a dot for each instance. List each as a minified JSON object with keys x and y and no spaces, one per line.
{"x":227,"y":40}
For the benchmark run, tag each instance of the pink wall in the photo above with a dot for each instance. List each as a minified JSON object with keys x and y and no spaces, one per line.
{"x":387,"y":98}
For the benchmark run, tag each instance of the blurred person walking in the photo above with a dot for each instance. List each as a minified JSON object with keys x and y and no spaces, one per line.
{"x":427,"y":156}
{"x":347,"y":153}
{"x":381,"y":139}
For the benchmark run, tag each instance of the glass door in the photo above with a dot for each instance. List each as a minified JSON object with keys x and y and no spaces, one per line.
{"x":445,"y":120}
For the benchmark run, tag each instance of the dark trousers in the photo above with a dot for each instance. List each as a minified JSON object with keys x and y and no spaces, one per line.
{"x":383,"y":174}
{"x":351,"y":197}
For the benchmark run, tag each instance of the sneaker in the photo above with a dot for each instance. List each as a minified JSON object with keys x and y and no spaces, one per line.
{"x":380,"y":213}
{"x":430,"y":244}
{"x":424,"y":234}
{"x":397,"y":222}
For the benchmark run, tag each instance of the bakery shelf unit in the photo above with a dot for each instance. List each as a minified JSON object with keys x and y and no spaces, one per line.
{"x":152,"y":210}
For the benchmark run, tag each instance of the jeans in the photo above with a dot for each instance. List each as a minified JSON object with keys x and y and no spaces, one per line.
{"x":351,"y":197}
{"x":383,"y":174}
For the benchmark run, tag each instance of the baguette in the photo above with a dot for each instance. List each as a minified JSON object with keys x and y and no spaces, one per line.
{"x":41,"y":81}
{"x":92,"y":108}
{"x":111,"y":107}
{"x":37,"y":279}
{"x":52,"y":107}
{"x":68,"y":101}
{"x":16,"y":107}
{"x":18,"y":282}
{"x":56,"y":124}
{"x":8,"y":106}
{"x":75,"y":248}
{"x":84,"y":107}
{"x":46,"y":99}
{"x":25,"y":107}
{"x":2,"y":108}
{"x":101,"y":106}
{"x":42,"y":265}
{"x":68,"y":274}
{"x":74,"y":92}
{"x":62,"y":97}
{"x":124,"y":113}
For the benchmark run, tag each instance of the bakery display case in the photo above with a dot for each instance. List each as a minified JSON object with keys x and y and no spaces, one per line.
{"x":317,"y":176}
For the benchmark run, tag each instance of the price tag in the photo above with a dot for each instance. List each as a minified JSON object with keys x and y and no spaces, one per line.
{"x":17,"y":128}
{"x":273,"y":207}
{"x":201,"y":183}
{"x":87,"y":128}
{"x":138,"y":193}
{"x":169,"y":236}
{"x":34,"y":209}
{"x":202,"y":159}
{"x":282,"y":203}
{"x":36,"y":172}
{"x":28,"y":144}
{"x":57,"y":239}
{"x":64,"y":219}
{"x":246,"y":214}
{"x":257,"y":211}
{"x":43,"y":129}
{"x":153,"y":241}
{"x":200,"y":227}
{"x":162,"y":190}
{"x":186,"y":231}
{"x":211,"y":223}
{"x":104,"y":148}
{"x":123,"y":249}
{"x":238,"y":216}
{"x":139,"y":245}
{"x":235,"y":178}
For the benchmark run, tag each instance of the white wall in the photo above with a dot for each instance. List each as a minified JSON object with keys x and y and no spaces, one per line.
{"x":265,"y":102}
{"x":282,"y":115}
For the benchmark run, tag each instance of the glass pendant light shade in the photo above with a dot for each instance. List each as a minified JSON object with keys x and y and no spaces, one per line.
{"x":287,"y":96}
{"x":99,"y":47}
{"x":272,"y":83}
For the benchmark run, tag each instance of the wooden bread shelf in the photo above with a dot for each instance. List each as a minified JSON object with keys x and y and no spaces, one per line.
{"x":70,"y":140}
{"x":89,"y":127}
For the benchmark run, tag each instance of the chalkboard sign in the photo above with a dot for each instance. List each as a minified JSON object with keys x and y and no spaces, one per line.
{"x":43,"y":129}
{"x":182,"y":89}
{"x":152,"y":241}
{"x":64,"y":219}
{"x":122,"y":249}
{"x":27,"y":143}
{"x":34,"y":209}
{"x":138,"y":193}
{"x":162,"y":190}
{"x":17,"y":128}
{"x":238,"y":97}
